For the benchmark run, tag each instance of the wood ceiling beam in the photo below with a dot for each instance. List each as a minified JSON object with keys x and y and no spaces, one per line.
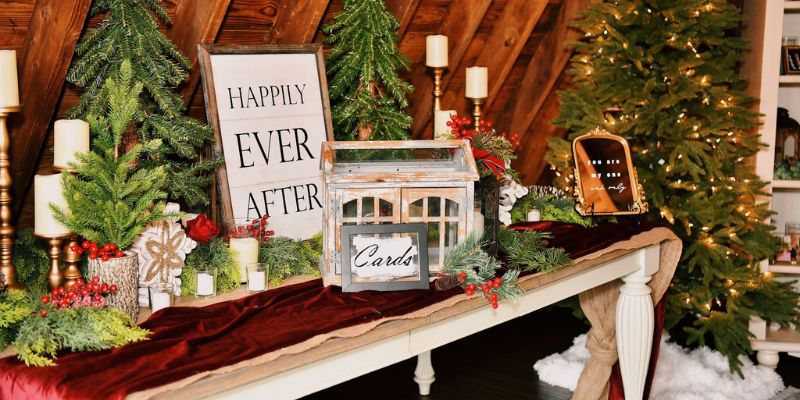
{"x":297,"y":21}
{"x":47,"y":52}
{"x":404,"y":11}
{"x":196,"y":22}
{"x":544,"y":69}
{"x":460,"y":24}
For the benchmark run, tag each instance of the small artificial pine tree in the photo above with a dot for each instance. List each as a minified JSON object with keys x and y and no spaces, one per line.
{"x":109,"y":201}
{"x":367,"y":95}
{"x":671,"y":68}
{"x":130,"y":33}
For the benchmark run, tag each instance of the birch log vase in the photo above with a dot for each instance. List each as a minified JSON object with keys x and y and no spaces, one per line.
{"x":124,"y":272}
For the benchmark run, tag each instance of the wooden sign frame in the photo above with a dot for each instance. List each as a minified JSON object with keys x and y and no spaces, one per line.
{"x":791,"y":60}
{"x":205,"y":53}
{"x":637,"y":206}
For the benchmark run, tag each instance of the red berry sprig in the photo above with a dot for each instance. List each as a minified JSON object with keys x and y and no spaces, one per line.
{"x":256,"y":228}
{"x":105,"y":253}
{"x":81,"y":294}
{"x":489,"y":289}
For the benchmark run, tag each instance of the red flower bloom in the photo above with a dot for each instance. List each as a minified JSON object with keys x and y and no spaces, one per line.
{"x":201,"y":229}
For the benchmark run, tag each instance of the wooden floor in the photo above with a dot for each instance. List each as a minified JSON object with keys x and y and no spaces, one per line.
{"x":494,"y":364}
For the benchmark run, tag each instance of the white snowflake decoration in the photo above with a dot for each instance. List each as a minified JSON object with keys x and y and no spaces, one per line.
{"x":510,"y":191}
{"x":162,"y":248}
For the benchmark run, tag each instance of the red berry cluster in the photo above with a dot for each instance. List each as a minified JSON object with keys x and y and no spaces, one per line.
{"x":108,"y":251}
{"x":461,"y":129}
{"x":486,"y":288}
{"x":256,"y":228}
{"x":81,"y":294}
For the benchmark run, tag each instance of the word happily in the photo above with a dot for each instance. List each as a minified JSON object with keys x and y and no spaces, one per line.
{"x":266,"y":96}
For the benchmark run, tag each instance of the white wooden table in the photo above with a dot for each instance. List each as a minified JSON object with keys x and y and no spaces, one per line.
{"x":337,"y":361}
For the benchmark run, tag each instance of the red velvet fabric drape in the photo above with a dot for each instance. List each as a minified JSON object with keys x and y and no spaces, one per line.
{"x":185,"y":341}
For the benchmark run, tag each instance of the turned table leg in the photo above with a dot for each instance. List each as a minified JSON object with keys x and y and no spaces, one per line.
{"x":423,"y":375}
{"x":768,"y":358}
{"x":635,"y":325}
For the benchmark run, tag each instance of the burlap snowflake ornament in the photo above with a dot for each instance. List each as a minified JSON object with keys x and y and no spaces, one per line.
{"x":162,"y":248}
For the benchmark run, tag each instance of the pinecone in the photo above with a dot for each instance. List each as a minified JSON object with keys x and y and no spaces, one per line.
{"x":447,"y":282}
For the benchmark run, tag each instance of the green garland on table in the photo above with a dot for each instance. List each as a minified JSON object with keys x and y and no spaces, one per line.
{"x":39,"y":331}
{"x":554,"y":205}
{"x":526,"y":251}
{"x":476,"y":269}
{"x":287,"y":257}
{"x":31,"y":261}
{"x":213,"y":255}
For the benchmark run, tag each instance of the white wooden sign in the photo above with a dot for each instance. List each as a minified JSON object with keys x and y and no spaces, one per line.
{"x":270,"y":112}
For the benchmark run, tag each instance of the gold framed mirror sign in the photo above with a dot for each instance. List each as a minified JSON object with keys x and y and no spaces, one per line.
{"x":605,"y":179}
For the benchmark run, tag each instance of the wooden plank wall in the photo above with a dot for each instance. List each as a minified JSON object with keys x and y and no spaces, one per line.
{"x":521,"y":42}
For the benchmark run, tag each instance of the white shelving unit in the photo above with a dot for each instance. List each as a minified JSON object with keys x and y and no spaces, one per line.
{"x":767,"y":22}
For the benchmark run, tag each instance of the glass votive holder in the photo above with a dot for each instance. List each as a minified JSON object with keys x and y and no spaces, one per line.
{"x":257,"y":277}
{"x":161,"y":296}
{"x":206,"y":280}
{"x":792,"y":228}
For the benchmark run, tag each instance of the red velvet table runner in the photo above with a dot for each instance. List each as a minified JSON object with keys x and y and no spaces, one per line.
{"x":188,"y":340}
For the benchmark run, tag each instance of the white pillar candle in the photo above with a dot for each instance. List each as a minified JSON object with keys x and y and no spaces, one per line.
{"x":47,"y":189}
{"x":245,"y":252}
{"x":534,"y":215}
{"x":256,"y":281}
{"x":436,"y":51}
{"x":477,"y":222}
{"x":9,"y":87}
{"x":205,"y":284}
{"x":71,"y":137}
{"x":159,"y":300}
{"x":477,"y":82}
{"x":440,"y":120}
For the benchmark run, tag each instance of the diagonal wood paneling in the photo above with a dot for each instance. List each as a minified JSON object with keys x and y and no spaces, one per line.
{"x":404,"y":11}
{"x":47,"y":52}
{"x":460,"y":24}
{"x":298,"y":20}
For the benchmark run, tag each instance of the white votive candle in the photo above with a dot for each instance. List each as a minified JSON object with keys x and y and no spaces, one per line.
{"x":205,"y":284}
{"x":47,"y":189}
{"x":534,"y":215}
{"x":440,"y":120}
{"x":159,"y":300}
{"x":477,"y":222}
{"x":436,"y":51}
{"x":71,"y":137}
{"x":245,"y":252}
{"x":477,"y":82}
{"x":256,"y":281}
{"x":9,"y":87}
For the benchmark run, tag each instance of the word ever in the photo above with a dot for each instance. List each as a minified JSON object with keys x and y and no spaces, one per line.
{"x":291,"y":199}
{"x":285,"y":141}
{"x":266,"y":96}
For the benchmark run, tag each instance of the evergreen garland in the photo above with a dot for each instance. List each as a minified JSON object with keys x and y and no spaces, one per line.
{"x":129,"y":33}
{"x":526,"y":251}
{"x":553,"y":204}
{"x":477,"y":268}
{"x":109,"y":201}
{"x":31,"y":261}
{"x":368,"y":98}
{"x":671,"y":68}
{"x":287,"y":257}
{"x":213,"y":255}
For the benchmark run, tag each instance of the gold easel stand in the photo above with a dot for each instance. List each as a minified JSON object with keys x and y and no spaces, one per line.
{"x":6,"y":228}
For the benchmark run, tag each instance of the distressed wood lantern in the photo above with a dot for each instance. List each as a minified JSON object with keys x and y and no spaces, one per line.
{"x":397,"y":182}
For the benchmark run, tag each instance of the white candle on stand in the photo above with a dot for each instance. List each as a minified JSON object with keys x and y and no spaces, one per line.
{"x":205,"y":284}
{"x":440,"y":120}
{"x":9,"y":88}
{"x":256,"y":281}
{"x":436,"y":51}
{"x":71,"y":137}
{"x":245,"y":252}
{"x":534,"y":215}
{"x":47,"y":189}
{"x":477,"y":82}
{"x":159,"y":300}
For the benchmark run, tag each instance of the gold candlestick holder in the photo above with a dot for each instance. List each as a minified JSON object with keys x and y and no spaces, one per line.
{"x":71,"y":273}
{"x":6,"y":228}
{"x":438,"y":72}
{"x":476,"y":110}
{"x":55,"y":278}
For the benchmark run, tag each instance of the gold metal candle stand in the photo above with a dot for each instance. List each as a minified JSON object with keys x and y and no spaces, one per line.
{"x":55,"y":277}
{"x":6,"y":229}
{"x":437,"y":87}
{"x":476,"y":111}
{"x":71,"y":273}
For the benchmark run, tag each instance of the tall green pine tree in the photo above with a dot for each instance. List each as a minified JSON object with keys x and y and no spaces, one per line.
{"x":130,"y":33}
{"x":671,"y":68}
{"x":368,"y":97}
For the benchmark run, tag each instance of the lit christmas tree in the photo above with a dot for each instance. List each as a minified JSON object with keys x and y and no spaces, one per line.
{"x":368,"y":98}
{"x":130,"y":33}
{"x":663,"y":74}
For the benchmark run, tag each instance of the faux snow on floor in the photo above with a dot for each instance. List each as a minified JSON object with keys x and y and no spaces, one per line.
{"x":700,"y":374}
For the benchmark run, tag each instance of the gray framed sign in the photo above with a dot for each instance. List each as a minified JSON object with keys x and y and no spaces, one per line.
{"x":384,"y":257}
{"x":270,"y":112}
